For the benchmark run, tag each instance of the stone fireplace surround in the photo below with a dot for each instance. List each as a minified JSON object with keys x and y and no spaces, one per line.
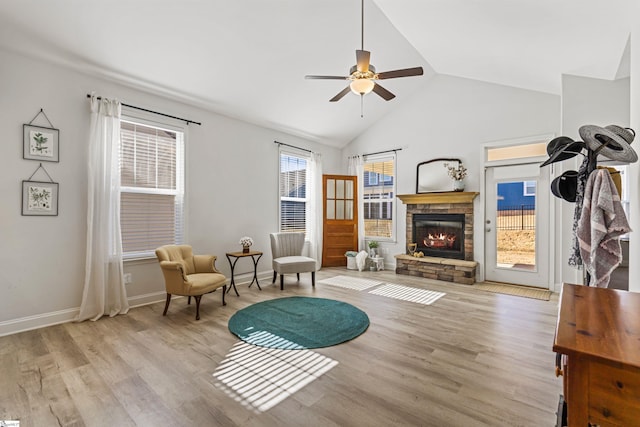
{"x":451,"y":270}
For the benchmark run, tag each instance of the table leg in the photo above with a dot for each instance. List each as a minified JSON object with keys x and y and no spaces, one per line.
{"x":233,"y":281}
{"x":255,"y":271}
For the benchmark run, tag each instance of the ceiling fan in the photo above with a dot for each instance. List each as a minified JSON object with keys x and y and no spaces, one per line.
{"x":363,"y":75}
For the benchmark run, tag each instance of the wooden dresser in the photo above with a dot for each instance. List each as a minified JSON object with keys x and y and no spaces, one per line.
{"x":599,"y":331}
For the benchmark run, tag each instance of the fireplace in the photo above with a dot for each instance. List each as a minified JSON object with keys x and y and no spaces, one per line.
{"x":447,"y":231}
{"x":439,"y":234}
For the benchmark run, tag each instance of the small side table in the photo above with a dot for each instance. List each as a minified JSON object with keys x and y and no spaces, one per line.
{"x":378,"y":262}
{"x":236,"y":256}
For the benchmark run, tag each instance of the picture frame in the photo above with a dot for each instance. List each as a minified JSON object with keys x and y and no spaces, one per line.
{"x":39,"y":198}
{"x":40,"y":143}
{"x":432,"y":176}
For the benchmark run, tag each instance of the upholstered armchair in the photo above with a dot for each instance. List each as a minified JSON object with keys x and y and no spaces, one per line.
{"x":286,"y":251}
{"x":189,"y":275}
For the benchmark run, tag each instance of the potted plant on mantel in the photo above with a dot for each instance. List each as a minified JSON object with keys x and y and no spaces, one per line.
{"x":457,"y":173}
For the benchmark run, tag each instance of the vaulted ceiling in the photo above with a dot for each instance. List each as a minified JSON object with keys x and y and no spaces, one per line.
{"x":247,"y":59}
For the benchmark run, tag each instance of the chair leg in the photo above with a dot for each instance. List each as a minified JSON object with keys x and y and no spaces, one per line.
{"x":282,"y":282}
{"x":274,"y":276}
{"x":189,"y":300}
{"x":298,"y":274}
{"x":198,"y":298}
{"x":166,"y":306}
{"x":224,"y":291}
{"x":313,"y":279}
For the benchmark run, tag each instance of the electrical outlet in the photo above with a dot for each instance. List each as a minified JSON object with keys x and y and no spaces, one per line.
{"x":128,"y":278}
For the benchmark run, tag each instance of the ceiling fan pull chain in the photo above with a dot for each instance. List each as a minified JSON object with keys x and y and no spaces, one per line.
{"x":361,"y":105}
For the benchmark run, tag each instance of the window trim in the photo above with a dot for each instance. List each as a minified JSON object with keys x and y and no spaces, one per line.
{"x":142,"y":118}
{"x":301,"y":155}
{"x":524,"y":189}
{"x":376,"y":158}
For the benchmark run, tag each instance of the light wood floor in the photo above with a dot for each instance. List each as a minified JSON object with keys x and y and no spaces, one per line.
{"x":473,"y":358}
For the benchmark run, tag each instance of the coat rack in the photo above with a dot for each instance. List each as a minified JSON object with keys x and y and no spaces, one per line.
{"x":612,"y":142}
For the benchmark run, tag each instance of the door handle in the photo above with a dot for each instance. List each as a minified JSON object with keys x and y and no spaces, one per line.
{"x":488,"y":229}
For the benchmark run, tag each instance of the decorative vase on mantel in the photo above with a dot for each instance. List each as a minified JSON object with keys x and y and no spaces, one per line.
{"x":458,"y":185}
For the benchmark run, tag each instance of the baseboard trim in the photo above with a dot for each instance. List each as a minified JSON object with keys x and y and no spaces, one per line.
{"x":146,"y":299}
{"x":28,"y":323}
{"x":23,"y":324}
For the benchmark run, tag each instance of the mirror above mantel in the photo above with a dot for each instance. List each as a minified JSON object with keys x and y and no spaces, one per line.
{"x":432,"y":176}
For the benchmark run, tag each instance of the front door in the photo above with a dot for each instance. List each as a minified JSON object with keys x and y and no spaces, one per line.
{"x":517,"y":225}
{"x":340,"y":218}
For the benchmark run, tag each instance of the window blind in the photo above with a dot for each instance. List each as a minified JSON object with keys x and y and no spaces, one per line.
{"x":293,"y":192}
{"x":151,"y":197}
{"x":378,"y":197}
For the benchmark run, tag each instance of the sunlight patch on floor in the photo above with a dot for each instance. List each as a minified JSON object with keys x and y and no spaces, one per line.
{"x":260,"y":378}
{"x":406,"y":293}
{"x":348,"y":282}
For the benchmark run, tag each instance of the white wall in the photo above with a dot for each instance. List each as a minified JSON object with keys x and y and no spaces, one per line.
{"x":231,"y":190}
{"x":584,"y":101}
{"x":454,"y":117}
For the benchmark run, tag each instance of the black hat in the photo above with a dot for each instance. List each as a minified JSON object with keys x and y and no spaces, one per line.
{"x":566,"y":186}
{"x":562,"y":148}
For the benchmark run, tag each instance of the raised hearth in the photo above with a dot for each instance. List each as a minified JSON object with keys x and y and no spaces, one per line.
{"x":449,"y":270}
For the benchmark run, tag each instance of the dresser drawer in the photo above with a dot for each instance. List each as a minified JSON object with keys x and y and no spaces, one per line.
{"x":614,"y":397}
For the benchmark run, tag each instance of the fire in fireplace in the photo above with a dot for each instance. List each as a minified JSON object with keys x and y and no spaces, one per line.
{"x":439,"y":235}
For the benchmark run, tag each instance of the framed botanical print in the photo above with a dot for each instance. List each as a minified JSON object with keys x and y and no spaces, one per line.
{"x":40,"y":143}
{"x":39,"y":198}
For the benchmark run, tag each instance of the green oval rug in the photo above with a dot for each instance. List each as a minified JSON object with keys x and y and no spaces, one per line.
{"x":298,"y":323}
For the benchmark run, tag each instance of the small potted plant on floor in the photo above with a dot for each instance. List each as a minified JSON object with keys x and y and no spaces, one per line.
{"x":373,"y":246}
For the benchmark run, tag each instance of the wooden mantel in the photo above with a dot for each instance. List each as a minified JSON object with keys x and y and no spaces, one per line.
{"x":446,"y":197}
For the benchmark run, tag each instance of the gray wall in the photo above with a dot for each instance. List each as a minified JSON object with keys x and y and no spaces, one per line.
{"x":454,"y":117}
{"x":584,"y":101}
{"x":232,"y":182}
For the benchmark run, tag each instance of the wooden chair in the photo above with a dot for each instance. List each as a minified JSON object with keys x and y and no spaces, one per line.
{"x":286,"y":251}
{"x":189,"y":275}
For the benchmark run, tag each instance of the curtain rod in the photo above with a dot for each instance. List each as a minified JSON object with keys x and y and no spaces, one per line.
{"x":153,"y":112}
{"x":293,"y":146}
{"x":379,"y":152}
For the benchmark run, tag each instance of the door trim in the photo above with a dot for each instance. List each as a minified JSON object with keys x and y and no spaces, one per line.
{"x":541,"y":276}
{"x":480,"y":217}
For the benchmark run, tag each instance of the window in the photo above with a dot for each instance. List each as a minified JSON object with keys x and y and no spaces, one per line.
{"x":378,"y":197}
{"x":152,"y":188}
{"x":529,"y":188}
{"x":293,"y":191}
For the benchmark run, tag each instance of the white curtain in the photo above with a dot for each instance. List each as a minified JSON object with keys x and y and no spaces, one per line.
{"x":104,"y":291}
{"x":356,"y":167}
{"x":314,"y":208}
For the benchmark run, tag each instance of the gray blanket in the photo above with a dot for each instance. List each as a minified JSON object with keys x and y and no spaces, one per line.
{"x":601,"y":224}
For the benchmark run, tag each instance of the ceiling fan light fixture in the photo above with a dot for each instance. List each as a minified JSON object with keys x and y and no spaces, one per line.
{"x":361,"y":86}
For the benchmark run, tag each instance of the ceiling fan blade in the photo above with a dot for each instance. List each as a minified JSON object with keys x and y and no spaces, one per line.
{"x":406,"y":72}
{"x":388,"y":96}
{"x":339,"y":96}
{"x":327,"y":77}
{"x":362,"y":59}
